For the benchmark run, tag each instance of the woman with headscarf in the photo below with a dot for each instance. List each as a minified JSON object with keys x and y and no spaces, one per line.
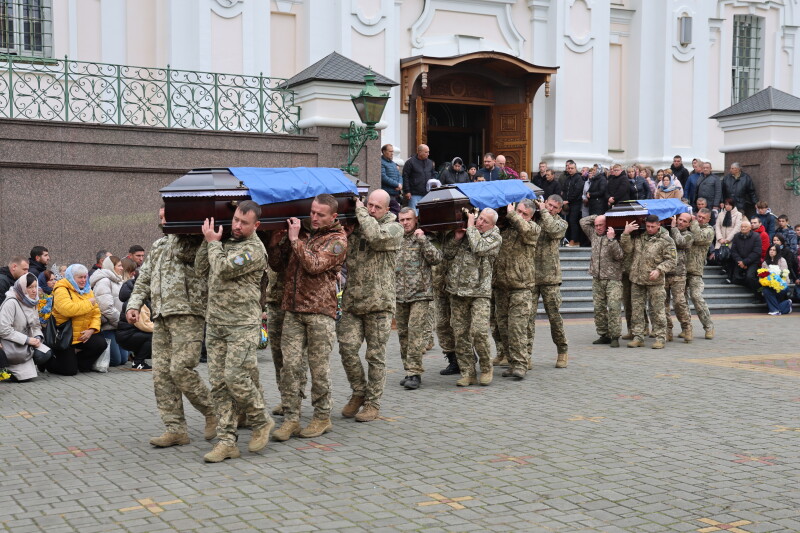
{"x":74,"y":300}
{"x":668,"y":186}
{"x":454,"y":173}
{"x":19,"y":325}
{"x":47,"y":280}
{"x":106,"y":283}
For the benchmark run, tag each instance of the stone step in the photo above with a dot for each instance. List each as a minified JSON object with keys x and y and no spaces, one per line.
{"x":711,"y":290}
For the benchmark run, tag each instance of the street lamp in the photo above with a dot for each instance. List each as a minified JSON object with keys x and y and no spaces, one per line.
{"x":369,"y":105}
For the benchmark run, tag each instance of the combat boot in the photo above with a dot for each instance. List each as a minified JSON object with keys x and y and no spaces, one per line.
{"x":316,"y":427}
{"x":680,"y":335}
{"x":278,"y":411}
{"x":170,"y":439}
{"x":710,"y":333}
{"x":221,"y":452}
{"x":260,"y":437}
{"x":486,"y":376}
{"x":669,"y":335}
{"x":636,"y":343}
{"x":530,"y":363}
{"x":466,"y":380}
{"x":368,"y":413}
{"x":614,"y":343}
{"x":561,"y":362}
{"x":500,"y":361}
{"x":287,"y":430}
{"x":210,"y":431}
{"x":628,"y":336}
{"x":507,"y":373}
{"x":688,"y":335}
{"x":452,"y":365}
{"x":602,"y":340}
{"x":658,"y":345}
{"x":430,"y":346}
{"x":518,"y":373}
{"x":413,"y":382}
{"x":352,"y":406}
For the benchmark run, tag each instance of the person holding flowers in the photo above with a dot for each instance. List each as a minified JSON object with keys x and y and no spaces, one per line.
{"x":774,"y":279}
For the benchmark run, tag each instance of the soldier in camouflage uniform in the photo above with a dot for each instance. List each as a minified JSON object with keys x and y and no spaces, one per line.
{"x":653,"y":256}
{"x":702,"y":236}
{"x":548,"y":275}
{"x":414,"y":292}
{"x":178,"y":303}
{"x":513,"y":280}
{"x":441,"y":305}
{"x":368,"y":303}
{"x":606,"y":270}
{"x":234,"y":269}
{"x":472,"y":253}
{"x":675,"y":282}
{"x":310,"y":257}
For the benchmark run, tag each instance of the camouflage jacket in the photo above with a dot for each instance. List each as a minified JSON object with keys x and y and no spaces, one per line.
{"x":548,"y":264}
{"x":371,"y":258}
{"x":440,"y":270}
{"x":413,"y":275}
{"x":234,"y":269}
{"x":650,"y":252}
{"x":169,"y":280}
{"x":274,"y":286}
{"x":702,"y":237}
{"x":607,"y":255}
{"x":515,"y":267}
{"x":471,"y":261}
{"x":683,"y":243}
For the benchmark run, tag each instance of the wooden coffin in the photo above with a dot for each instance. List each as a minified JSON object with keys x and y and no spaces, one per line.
{"x":215,"y":192}
{"x":619,"y":215}
{"x":443,"y":209}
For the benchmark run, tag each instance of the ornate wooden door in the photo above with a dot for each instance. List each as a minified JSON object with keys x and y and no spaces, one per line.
{"x":422,"y":125}
{"x":511,"y":135}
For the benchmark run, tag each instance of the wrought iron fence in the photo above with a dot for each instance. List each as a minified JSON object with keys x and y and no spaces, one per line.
{"x":99,"y":93}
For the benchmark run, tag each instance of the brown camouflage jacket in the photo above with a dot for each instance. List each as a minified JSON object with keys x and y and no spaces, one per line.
{"x":607,"y":255}
{"x":702,"y":237}
{"x":515,"y":265}
{"x":309,"y":267}
{"x":471,"y":261}
{"x":413,"y":275}
{"x":648,"y":253}
{"x":371,"y":259}
{"x":683,"y":243}
{"x":274,"y":293}
{"x":548,"y":263}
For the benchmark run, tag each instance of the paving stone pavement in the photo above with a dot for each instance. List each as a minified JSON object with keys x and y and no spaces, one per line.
{"x":699,"y":437}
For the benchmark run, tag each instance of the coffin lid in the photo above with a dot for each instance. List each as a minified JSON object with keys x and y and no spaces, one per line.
{"x":536,"y":190}
{"x":443,"y":194}
{"x":205,"y":180}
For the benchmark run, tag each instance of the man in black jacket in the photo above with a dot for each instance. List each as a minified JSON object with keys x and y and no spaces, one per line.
{"x":17,"y":267}
{"x":572,"y":192}
{"x":680,"y":171}
{"x":417,"y":171}
{"x":745,"y":257}
{"x":617,"y":187}
{"x":739,"y":186}
{"x":39,"y":260}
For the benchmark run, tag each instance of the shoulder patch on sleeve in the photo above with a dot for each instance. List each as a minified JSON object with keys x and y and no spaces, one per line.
{"x":242,"y":259}
{"x":337,"y":247}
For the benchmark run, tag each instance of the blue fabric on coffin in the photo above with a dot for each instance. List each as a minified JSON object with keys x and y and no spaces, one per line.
{"x":494,"y":194}
{"x":665,"y":208}
{"x":273,"y":185}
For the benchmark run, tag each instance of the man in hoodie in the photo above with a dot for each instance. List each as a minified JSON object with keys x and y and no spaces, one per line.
{"x":11,"y":273}
{"x":39,"y":260}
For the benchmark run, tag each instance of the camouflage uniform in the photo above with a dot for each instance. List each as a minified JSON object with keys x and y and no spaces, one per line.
{"x":675,"y":282}
{"x":414,"y":292}
{"x":514,"y":275}
{"x":469,"y":283}
{"x":275,"y":317}
{"x":702,"y":236}
{"x":441,"y":304}
{"x":649,"y":252}
{"x":606,"y":271}
{"x":234,"y":269}
{"x":548,"y":278}
{"x":178,"y":301}
{"x":368,"y":302}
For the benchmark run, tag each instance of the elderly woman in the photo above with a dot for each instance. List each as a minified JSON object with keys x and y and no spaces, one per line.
{"x":19,"y":327}
{"x":106,"y":283}
{"x":668,"y":187}
{"x":74,"y":300}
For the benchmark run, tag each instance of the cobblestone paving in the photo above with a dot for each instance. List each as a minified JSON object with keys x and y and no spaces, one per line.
{"x":695,"y":437}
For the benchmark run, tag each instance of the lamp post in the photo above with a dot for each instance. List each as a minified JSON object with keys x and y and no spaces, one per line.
{"x":369,"y":105}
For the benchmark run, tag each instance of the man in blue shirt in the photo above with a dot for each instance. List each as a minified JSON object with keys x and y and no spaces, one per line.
{"x":490,"y":170}
{"x":391,"y":182}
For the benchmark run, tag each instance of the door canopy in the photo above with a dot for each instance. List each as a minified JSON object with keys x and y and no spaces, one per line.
{"x":496,"y":64}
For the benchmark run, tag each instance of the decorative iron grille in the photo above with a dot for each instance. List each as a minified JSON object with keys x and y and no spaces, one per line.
{"x":26,"y":28}
{"x":794,"y":183}
{"x":100,"y":93}
{"x":746,"y":68}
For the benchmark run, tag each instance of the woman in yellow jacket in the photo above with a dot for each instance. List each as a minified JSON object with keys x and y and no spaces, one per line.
{"x":73,"y":300}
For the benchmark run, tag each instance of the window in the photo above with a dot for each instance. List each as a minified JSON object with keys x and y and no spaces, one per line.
{"x":26,"y":28}
{"x":746,"y":67}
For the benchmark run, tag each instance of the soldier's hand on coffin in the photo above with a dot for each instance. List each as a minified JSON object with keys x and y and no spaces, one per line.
{"x":419,"y":234}
{"x":459,"y":234}
{"x":674,"y":221}
{"x":630,"y":227}
{"x":208,"y":231}
{"x":610,"y":200}
{"x":654,"y":274}
{"x":539,"y":205}
{"x":470,"y":219}
{"x":610,"y":233}
{"x":408,"y":196}
{"x":276,"y":237}
{"x":132,"y":315}
{"x":359,"y":203}
{"x":510,"y":207}
{"x":294,"y":228}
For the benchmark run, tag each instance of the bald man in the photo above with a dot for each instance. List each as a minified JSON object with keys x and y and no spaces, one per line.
{"x":417,"y":171}
{"x":368,"y":303}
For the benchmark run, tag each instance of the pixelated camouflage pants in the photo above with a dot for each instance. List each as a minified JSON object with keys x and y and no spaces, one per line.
{"x":607,"y":299}
{"x":233,"y":373}
{"x":695,"y":287}
{"x":306,"y":336}
{"x":275,"y":317}
{"x":444,"y":331}
{"x":411,"y":330}
{"x":626,"y":302}
{"x":512,"y":312}
{"x":469,"y":318}
{"x":499,"y":344}
{"x":675,"y":290}
{"x":551,"y":299}
{"x":641,"y":296}
{"x":430,"y":325}
{"x":351,"y":331}
{"x":177,"y":342}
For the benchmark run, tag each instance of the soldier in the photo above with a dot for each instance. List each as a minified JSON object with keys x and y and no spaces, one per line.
{"x":702,"y":236}
{"x":368,"y":303}
{"x":178,"y":301}
{"x":234,"y":269}
{"x":414,"y":292}
{"x":653,"y":256}
{"x":469,"y":283}
{"x":548,"y":275}
{"x":513,"y":280}
{"x":606,"y":270}
{"x":675,"y":282}
{"x":310,"y":258}
{"x":441,"y":304}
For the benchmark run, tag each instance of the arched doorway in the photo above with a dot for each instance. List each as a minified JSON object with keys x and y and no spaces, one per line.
{"x":471,"y":104}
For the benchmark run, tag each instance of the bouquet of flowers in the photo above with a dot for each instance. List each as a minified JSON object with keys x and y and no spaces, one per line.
{"x":508,"y":173}
{"x":773,"y":278}
{"x":4,"y":374}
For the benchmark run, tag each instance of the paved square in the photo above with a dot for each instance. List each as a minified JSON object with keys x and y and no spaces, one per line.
{"x":696,"y":437}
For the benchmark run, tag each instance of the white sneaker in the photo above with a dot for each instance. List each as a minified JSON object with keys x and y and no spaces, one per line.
{"x":774,"y":313}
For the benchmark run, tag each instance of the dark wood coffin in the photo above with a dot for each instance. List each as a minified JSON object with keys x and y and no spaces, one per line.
{"x":215,"y":192}
{"x":619,"y":215}
{"x":443,"y":209}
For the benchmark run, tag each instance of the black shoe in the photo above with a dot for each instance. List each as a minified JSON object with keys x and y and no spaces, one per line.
{"x":204,"y":359}
{"x":602,"y":340}
{"x":413,"y":382}
{"x":403,"y":381}
{"x":452,"y":367}
{"x":141,"y":366}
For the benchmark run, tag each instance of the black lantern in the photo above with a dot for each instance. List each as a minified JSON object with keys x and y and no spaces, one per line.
{"x":369,"y":104}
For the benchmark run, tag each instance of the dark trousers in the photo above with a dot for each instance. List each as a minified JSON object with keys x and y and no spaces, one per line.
{"x":138,"y":342}
{"x":574,"y":231}
{"x":78,"y":357}
{"x":744,"y":276}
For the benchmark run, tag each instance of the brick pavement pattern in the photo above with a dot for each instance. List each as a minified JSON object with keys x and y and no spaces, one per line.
{"x":698,"y":437}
